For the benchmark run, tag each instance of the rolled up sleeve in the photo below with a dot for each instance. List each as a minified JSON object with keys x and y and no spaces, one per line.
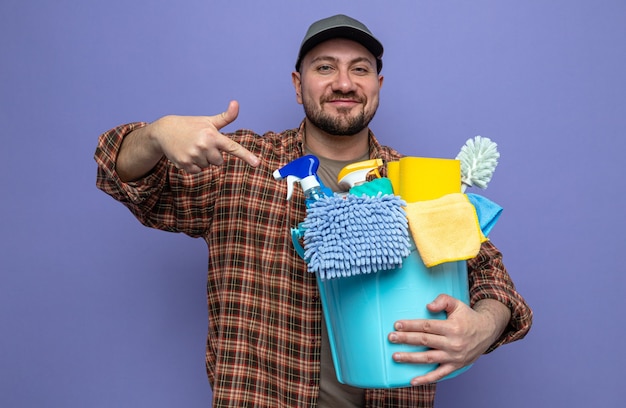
{"x":489,"y":279}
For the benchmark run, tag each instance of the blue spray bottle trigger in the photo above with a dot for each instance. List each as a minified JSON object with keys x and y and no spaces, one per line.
{"x":302,"y":170}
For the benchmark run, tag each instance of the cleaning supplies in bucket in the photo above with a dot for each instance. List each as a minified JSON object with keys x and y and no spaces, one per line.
{"x":361,"y":308}
{"x":445,"y":229}
{"x":479,"y":158}
{"x":304,"y":171}
{"x":369,"y":272}
{"x":346,"y":236}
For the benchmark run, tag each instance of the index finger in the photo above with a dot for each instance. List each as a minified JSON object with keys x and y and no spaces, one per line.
{"x":233,"y":148}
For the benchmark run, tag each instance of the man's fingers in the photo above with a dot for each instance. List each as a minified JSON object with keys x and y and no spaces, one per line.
{"x":432,"y":326}
{"x":434,"y":376}
{"x":445,"y":365}
{"x":195,"y":142}
{"x":227,"y":145}
{"x":212,"y":153}
{"x":422,"y":357}
{"x":433,"y":341}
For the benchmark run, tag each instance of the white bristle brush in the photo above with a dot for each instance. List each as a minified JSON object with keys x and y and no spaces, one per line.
{"x":479,"y":158}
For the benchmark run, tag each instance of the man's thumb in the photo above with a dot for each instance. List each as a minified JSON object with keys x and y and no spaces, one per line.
{"x":442,"y":303}
{"x":226,"y":117}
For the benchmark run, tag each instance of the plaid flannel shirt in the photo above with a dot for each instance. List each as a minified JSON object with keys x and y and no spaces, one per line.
{"x":263,"y":346}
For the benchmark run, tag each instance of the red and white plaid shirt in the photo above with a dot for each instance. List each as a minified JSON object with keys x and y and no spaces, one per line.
{"x":265,"y":316}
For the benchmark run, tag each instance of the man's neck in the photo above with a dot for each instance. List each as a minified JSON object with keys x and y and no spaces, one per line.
{"x":336,"y":147}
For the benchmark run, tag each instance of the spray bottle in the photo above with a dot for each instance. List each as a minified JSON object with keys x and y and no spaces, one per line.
{"x":354,"y":176}
{"x":356,"y":173}
{"x":304,"y":171}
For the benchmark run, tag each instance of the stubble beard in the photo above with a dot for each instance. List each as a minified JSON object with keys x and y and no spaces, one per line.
{"x":343,"y":124}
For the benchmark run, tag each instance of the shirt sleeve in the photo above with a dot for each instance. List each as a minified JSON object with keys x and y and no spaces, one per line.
{"x":166,"y":198}
{"x":489,"y":279}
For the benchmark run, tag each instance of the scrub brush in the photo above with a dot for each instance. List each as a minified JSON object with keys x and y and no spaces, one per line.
{"x":479,"y":158}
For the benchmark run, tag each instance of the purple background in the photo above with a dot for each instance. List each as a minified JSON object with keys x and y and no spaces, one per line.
{"x":98,"y":311}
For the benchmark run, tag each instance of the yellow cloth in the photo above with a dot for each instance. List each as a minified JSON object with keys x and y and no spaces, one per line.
{"x":445,"y":229}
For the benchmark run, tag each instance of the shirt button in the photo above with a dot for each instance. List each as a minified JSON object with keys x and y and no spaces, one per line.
{"x":316,"y":299}
{"x":312,"y":383}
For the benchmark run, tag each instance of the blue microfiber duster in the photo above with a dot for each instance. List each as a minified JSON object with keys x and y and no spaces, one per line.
{"x":351,"y":235}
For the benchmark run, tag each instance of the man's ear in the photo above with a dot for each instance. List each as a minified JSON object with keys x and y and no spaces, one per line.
{"x":297,"y":84}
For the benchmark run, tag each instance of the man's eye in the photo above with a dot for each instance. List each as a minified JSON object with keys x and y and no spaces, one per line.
{"x":324,"y":68}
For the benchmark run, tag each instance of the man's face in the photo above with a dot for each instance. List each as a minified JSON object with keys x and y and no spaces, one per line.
{"x":338,"y":86}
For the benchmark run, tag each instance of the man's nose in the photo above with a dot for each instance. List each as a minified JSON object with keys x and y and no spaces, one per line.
{"x":343,"y":82}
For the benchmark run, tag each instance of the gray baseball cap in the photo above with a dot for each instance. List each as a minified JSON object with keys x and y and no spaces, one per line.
{"x":340,"y":26}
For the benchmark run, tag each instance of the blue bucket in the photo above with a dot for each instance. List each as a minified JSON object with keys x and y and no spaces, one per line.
{"x":361,"y":310}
